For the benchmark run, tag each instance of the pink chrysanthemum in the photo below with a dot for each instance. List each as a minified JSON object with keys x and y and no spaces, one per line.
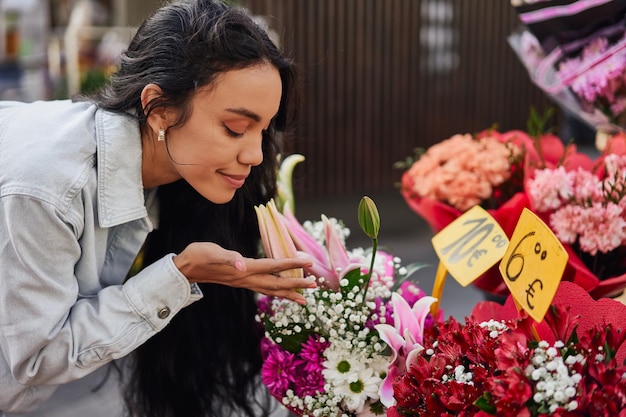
{"x":312,"y":354}
{"x":277,"y":372}
{"x":309,"y":383}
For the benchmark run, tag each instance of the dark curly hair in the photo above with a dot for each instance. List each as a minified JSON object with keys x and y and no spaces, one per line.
{"x":206,"y":361}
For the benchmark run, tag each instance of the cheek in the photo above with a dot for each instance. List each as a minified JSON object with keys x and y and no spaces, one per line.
{"x":200,"y":167}
{"x":199,"y":153}
{"x":194,"y":142}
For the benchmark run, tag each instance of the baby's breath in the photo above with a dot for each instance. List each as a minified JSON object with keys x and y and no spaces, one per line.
{"x":555,"y":379}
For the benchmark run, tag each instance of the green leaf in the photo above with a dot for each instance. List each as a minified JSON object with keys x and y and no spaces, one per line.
{"x":484,"y":403}
{"x":609,"y":352}
{"x":291,"y":343}
{"x":573,"y":338}
{"x":537,"y":124}
{"x":354,"y":278}
{"x":377,"y":408}
{"x":410,"y":270}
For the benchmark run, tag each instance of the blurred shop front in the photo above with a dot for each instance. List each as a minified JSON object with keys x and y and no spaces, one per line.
{"x":56,"y":48}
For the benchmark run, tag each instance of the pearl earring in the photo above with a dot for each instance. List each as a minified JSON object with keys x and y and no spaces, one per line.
{"x":161,"y":137}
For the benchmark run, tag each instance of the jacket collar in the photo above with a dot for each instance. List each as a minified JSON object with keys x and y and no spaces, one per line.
{"x":120,"y":187}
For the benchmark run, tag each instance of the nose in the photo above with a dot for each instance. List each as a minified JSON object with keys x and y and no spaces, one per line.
{"x":252,"y":151}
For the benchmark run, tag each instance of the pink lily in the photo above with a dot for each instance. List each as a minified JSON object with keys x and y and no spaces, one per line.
{"x":336,"y":250}
{"x":405,"y":339}
{"x":306,"y":244}
{"x":338,"y":260}
{"x":331,"y":263}
{"x":275,"y":237}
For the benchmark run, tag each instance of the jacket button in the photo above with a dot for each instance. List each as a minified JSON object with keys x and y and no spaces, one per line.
{"x":164,"y":313}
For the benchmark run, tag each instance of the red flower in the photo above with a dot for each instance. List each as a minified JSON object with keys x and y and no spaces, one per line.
{"x":512,"y":352}
{"x":481,"y":369}
{"x":510,"y":392}
{"x":458,"y":396}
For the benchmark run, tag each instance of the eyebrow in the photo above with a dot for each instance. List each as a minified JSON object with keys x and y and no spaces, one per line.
{"x":245,"y":112}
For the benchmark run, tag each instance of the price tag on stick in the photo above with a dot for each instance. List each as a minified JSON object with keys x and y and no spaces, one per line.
{"x":440,"y":281}
{"x":470,"y":245}
{"x":533,"y":265}
{"x":466,"y":248}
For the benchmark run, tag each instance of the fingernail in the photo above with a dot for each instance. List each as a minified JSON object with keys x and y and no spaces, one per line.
{"x":239,"y":265}
{"x":301,"y":301}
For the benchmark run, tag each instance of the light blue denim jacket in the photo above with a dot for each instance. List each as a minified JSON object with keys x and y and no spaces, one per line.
{"x":73,"y":217}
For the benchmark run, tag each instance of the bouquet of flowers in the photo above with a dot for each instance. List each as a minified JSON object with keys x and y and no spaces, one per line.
{"x":598,"y":78}
{"x":500,"y":363}
{"x":586,"y":209}
{"x":576,"y":52}
{"x":465,"y":170}
{"x":488,"y":169}
{"x":328,"y":358}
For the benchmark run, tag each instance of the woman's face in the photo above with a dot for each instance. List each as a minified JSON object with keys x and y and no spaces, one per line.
{"x":221,"y":141}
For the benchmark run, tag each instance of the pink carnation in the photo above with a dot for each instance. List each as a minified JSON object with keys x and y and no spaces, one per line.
{"x":586,"y":186}
{"x":567,"y":223}
{"x":584,"y":209}
{"x":550,"y":188}
{"x":597,"y":221}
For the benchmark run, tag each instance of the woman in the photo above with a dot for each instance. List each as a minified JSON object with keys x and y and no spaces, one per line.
{"x":182,"y":141}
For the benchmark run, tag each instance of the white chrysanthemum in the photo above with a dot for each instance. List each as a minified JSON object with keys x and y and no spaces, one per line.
{"x":358,"y":392}
{"x":380,"y":363}
{"x":340,"y":366}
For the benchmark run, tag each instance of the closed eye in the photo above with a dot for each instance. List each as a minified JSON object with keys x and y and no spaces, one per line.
{"x":231,"y":132}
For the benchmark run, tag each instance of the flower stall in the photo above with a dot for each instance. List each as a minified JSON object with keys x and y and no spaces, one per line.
{"x":367,"y":342}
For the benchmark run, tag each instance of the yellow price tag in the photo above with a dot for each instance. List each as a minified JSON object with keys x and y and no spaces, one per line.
{"x":470,"y":245}
{"x":533,"y":265}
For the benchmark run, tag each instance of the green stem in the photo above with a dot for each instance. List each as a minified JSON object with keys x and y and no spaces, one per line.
{"x":368,"y":277}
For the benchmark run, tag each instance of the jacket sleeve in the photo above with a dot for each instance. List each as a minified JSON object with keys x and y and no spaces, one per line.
{"x":49,"y":333}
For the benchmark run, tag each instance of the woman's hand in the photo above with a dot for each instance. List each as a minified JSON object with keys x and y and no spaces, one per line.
{"x":209,"y":262}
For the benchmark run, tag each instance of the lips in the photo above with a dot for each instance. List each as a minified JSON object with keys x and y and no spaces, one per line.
{"x":236,"y":181}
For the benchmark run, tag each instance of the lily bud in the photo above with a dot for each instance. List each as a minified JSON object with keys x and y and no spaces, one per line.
{"x":369,"y":219}
{"x":284,"y":184}
{"x":277,"y":243}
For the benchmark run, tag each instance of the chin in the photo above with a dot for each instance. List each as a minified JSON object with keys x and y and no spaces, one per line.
{"x":218,"y":198}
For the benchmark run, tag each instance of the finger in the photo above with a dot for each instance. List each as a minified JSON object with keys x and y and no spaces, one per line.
{"x":274,"y":266}
{"x":283,"y":287}
{"x":298,"y":283}
{"x":237,"y":261}
{"x":274,"y":285}
{"x":292,"y":296}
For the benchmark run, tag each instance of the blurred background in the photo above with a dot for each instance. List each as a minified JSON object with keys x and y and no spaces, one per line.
{"x":382,"y":77}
